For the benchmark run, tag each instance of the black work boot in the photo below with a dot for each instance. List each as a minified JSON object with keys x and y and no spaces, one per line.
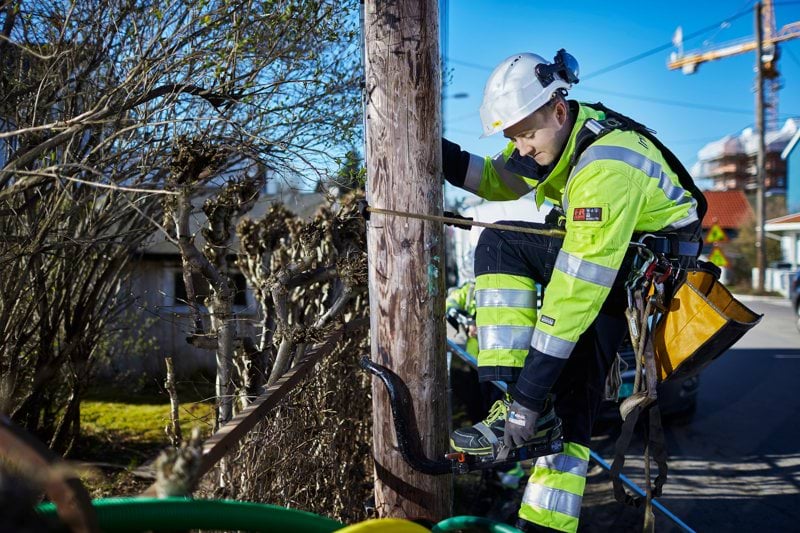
{"x":484,"y":437}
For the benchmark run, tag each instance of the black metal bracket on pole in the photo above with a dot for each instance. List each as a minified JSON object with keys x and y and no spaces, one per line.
{"x":453,"y":463}
{"x":402,"y":413}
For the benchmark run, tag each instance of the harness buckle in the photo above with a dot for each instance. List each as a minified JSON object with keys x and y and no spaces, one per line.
{"x":670,"y":245}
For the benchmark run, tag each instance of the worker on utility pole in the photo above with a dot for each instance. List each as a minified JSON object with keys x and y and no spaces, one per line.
{"x":611,"y":182}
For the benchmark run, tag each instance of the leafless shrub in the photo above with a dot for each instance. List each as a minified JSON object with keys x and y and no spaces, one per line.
{"x":95,"y":96}
{"x":314,"y":451}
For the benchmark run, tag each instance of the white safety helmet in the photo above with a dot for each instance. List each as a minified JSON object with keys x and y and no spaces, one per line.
{"x":520,"y":85}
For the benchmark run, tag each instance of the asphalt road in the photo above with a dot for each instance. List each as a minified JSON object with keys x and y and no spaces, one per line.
{"x":736,"y":465}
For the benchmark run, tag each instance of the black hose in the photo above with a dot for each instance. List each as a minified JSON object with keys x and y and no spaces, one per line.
{"x":402,"y":413}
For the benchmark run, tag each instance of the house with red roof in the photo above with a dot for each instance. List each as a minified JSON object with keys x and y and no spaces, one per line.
{"x":729,"y":210}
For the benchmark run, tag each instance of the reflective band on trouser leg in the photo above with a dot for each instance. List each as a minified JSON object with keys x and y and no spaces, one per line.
{"x":554,"y":492}
{"x":505,"y":316}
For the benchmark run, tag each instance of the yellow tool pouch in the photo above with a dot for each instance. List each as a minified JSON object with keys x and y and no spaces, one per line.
{"x":702,"y":320}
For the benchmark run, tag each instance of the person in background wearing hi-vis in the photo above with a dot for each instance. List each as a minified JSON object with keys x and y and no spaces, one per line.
{"x":460,"y":313}
{"x":611,"y":182}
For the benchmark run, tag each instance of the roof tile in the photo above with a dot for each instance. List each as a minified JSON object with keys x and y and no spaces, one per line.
{"x":729,"y":209}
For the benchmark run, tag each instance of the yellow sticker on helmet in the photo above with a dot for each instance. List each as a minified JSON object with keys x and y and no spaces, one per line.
{"x":497,"y":123}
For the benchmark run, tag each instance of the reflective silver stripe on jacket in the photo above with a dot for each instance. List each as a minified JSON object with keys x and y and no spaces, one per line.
{"x":552,"y":499}
{"x":551,"y":345}
{"x":504,"y":337}
{"x":564,"y":463}
{"x":509,"y":179}
{"x":585,"y":270}
{"x":505,"y":298}
{"x":474,"y":173}
{"x":638,"y":161}
{"x":690,"y":218}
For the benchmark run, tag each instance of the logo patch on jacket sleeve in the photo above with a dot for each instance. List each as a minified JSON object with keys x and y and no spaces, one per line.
{"x":549,"y":321}
{"x":587,"y":214}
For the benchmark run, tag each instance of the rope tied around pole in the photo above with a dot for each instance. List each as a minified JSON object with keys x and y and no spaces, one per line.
{"x":451,"y":219}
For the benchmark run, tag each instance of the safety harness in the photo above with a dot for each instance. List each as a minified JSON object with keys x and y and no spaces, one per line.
{"x":593,"y":129}
{"x":654,"y":273}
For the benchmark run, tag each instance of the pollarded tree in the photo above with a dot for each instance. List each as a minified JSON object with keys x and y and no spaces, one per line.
{"x":94,"y":93}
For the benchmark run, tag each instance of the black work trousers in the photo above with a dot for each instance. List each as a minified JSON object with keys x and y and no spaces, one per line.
{"x":579,"y":389}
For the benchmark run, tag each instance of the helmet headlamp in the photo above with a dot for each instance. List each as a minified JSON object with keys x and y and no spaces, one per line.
{"x":564,"y":65}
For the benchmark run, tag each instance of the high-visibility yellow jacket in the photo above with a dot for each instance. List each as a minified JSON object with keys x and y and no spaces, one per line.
{"x":620,"y":185}
{"x":463,"y":299}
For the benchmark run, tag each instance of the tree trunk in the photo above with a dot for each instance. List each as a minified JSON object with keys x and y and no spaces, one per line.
{"x":406,"y":257}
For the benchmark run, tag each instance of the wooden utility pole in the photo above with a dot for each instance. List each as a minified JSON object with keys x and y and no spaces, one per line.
{"x":406,"y":257}
{"x":761,"y":155}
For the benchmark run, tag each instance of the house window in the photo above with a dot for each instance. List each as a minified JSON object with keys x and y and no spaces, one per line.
{"x":203,"y":290}
{"x":240,"y":285}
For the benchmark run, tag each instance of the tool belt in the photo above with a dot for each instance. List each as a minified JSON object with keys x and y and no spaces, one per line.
{"x":680,"y":319}
{"x":700,"y":322}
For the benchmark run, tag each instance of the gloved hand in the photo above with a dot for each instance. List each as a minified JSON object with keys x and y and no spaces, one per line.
{"x":454,"y":163}
{"x":520,"y":425}
{"x":555,"y":218}
{"x":452,"y":317}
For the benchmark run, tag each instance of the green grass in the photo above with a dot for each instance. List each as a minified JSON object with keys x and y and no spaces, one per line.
{"x":141,"y":422}
{"x":126,"y":429}
{"x":140,"y":416}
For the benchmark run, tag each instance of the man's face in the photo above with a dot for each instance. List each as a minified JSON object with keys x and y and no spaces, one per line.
{"x":541,"y":134}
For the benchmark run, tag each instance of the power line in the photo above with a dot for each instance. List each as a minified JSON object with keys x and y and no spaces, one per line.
{"x":662,"y":47}
{"x":747,"y":4}
{"x":678,"y":103}
{"x":665,"y":101}
{"x":694,"y":141}
{"x":624,"y":62}
{"x":662,"y":101}
{"x":468,"y":64}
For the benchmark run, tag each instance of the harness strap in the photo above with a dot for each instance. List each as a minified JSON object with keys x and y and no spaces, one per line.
{"x":671,"y":246}
{"x":616,"y":120}
{"x":488,"y":433}
{"x":643,"y":400}
{"x":655,"y":447}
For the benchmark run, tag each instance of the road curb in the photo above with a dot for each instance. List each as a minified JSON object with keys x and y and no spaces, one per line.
{"x":775,"y":300}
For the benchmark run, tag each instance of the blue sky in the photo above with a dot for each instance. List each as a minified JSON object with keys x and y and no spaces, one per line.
{"x":481,"y":33}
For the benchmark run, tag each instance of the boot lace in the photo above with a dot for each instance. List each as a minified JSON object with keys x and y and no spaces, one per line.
{"x":498,"y":411}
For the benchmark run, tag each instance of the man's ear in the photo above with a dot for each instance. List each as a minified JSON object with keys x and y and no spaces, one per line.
{"x":561,"y":112}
